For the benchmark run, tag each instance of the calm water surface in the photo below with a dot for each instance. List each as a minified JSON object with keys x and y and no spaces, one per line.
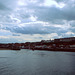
{"x":27,"y":62}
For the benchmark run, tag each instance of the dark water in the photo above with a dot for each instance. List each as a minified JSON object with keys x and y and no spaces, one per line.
{"x":27,"y":62}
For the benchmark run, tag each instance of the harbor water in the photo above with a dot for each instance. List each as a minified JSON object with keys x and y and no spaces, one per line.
{"x":28,"y":62}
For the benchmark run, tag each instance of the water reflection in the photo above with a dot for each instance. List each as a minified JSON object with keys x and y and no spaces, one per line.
{"x":27,"y":62}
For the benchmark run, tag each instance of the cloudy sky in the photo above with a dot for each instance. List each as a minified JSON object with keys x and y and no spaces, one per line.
{"x":35,"y":20}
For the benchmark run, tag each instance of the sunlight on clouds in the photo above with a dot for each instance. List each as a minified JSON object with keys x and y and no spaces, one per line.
{"x":33,"y":18}
{"x":49,"y":2}
{"x":25,"y":2}
{"x":64,"y":26}
{"x":4,"y":37}
{"x":52,"y":2}
{"x":33,"y":1}
{"x":46,"y":36}
{"x":34,"y":23}
{"x":28,"y":38}
{"x":21,"y":3}
{"x":5,"y":32}
{"x":61,"y":5}
{"x":14,"y":19}
{"x":69,"y":33}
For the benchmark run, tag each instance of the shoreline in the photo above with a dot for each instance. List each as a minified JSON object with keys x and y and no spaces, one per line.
{"x":9,"y":49}
{"x":4,"y":49}
{"x":55,"y":50}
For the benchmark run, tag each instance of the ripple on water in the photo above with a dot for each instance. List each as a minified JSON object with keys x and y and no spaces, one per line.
{"x":27,"y":62}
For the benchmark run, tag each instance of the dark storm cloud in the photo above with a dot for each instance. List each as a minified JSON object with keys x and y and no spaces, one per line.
{"x":29,"y":29}
{"x":43,"y":13}
{"x":49,"y":14}
{"x":3,"y":7}
{"x":61,"y":1}
{"x":36,"y":29}
{"x":16,"y":35}
{"x":54,"y":13}
{"x":72,"y":23}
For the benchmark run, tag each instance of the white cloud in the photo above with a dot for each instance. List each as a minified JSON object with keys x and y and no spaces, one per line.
{"x":33,"y":18}
{"x":39,"y":18}
{"x":70,"y":33}
{"x":27,"y":38}
{"x":4,"y":32}
{"x":50,"y":3}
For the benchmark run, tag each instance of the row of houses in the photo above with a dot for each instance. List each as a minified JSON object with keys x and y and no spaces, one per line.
{"x":58,"y":43}
{"x":48,"y":44}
